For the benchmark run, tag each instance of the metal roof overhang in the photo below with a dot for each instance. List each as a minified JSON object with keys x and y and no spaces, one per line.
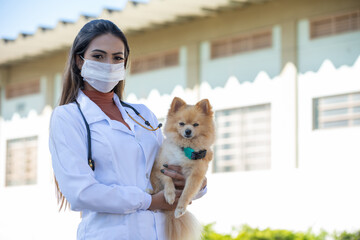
{"x":132,"y":19}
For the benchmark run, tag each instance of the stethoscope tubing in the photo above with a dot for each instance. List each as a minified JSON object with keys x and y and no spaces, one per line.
{"x":90,"y":160}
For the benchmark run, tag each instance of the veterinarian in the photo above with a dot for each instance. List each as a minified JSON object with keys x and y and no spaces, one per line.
{"x":103,"y":149}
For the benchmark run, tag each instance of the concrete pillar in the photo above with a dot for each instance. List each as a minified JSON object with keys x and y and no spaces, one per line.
{"x":289,"y":54}
{"x":289,"y":42}
{"x":49,"y":92}
{"x":193,"y":66}
{"x":4,"y":76}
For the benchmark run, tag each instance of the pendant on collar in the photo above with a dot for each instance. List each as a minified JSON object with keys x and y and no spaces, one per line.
{"x":192,"y":155}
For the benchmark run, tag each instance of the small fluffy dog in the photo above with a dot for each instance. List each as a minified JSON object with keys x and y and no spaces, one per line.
{"x":189,"y":132}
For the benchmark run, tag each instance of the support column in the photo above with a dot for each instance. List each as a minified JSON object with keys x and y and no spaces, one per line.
{"x":289,"y":54}
{"x":193,"y":67}
{"x":289,"y":51}
{"x":49,"y":94}
{"x":4,"y":76}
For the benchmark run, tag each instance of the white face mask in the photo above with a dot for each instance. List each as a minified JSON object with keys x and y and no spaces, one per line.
{"x":102,"y":76}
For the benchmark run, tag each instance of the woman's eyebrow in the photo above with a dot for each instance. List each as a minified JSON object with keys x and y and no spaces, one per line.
{"x":118,"y":53}
{"x":102,"y":51}
{"x":98,"y":50}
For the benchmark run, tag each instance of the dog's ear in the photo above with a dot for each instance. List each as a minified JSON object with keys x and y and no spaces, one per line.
{"x":176,"y":104}
{"x":205,"y":107}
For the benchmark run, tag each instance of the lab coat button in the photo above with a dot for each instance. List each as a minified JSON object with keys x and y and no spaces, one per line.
{"x":147,"y":176}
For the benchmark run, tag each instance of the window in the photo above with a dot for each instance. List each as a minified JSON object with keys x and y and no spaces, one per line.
{"x":239,"y":44}
{"x":337,"y":111}
{"x":243,"y":139}
{"x":20,"y":89}
{"x":154,"y":62}
{"x":335,"y":24}
{"x":21,"y":161}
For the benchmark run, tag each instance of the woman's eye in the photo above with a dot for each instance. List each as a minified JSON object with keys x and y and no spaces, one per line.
{"x":182,"y":124}
{"x":97,"y":56}
{"x":118,"y":58}
{"x":195,"y":124}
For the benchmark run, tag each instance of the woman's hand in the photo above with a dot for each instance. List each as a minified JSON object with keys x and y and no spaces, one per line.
{"x":175,"y":172}
{"x":158,"y":201}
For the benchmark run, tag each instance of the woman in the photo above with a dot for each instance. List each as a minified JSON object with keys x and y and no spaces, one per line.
{"x":102,"y":154}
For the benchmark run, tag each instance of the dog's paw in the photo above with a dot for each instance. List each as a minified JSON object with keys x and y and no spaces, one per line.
{"x":179,"y":211}
{"x":169,"y":197}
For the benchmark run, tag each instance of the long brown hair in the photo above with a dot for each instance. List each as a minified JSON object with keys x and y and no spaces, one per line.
{"x":73,"y":81}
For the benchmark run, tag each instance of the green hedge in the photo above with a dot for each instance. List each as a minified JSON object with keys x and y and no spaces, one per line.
{"x":248,"y":233}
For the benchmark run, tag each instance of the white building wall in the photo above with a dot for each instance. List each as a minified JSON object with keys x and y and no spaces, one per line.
{"x":336,"y":148}
{"x":23,"y":104}
{"x":27,"y":210}
{"x":162,"y":79}
{"x":244,"y":66}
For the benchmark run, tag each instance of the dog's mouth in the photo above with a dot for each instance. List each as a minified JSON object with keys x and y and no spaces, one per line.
{"x":188,"y":133}
{"x":187,"y":136}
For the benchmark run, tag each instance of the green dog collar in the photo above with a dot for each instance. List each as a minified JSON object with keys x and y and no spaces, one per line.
{"x":192,"y":155}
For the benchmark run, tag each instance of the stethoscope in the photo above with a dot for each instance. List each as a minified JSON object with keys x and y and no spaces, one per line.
{"x":90,"y":160}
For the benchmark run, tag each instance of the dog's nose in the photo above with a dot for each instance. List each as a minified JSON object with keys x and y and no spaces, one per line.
{"x":187,"y":132}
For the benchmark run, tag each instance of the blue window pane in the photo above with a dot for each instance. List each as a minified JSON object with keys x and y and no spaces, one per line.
{"x":336,"y":124}
{"x":333,"y":112}
{"x":227,"y":124}
{"x":226,"y":135}
{"x":226,"y":112}
{"x":336,"y":99}
{"x":228,"y":169}
{"x":226,"y":146}
{"x":356,"y":109}
{"x":356,"y":96}
{"x":227,"y":157}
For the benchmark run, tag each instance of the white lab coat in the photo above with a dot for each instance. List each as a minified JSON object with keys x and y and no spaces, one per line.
{"x":113,"y":198}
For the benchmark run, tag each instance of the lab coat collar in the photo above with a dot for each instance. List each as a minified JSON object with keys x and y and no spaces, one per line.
{"x":93,"y":113}
{"x":124,"y":113}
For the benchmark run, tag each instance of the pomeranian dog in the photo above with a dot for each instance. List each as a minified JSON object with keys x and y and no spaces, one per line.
{"x":189,"y":134}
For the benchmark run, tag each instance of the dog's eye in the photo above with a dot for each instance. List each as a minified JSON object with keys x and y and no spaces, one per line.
{"x":195,"y":124}
{"x":182,"y":124}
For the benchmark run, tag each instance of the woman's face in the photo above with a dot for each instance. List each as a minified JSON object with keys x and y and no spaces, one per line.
{"x":105,"y":48}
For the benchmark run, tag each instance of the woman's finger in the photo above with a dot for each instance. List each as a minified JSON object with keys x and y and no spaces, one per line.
{"x":175,"y":168}
{"x":204,"y":183}
{"x":178,"y":193}
{"x":172,"y":174}
{"x":179,"y":183}
{"x":179,"y":187}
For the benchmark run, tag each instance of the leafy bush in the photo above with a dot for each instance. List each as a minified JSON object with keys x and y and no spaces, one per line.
{"x":248,"y":233}
{"x":347,"y":236}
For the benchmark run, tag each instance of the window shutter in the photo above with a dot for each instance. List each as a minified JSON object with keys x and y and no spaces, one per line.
{"x":335,"y":24}
{"x":240,"y":44}
{"x":155,"y":62}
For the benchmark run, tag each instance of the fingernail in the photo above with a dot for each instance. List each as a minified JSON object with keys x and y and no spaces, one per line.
{"x":165,"y":165}
{"x":162,"y":170}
